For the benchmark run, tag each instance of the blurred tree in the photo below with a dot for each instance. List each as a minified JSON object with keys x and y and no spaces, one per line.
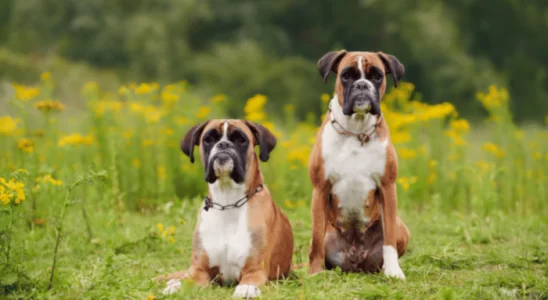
{"x":241,"y":47}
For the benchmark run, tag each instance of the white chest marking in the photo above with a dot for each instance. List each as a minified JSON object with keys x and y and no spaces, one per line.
{"x":350,"y":166}
{"x":224,"y":234}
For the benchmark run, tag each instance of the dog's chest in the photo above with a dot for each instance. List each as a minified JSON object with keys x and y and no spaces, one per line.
{"x":225,"y":238}
{"x":350,"y":167}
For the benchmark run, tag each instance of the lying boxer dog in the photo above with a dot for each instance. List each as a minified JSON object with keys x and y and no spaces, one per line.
{"x":353,"y":168}
{"x":241,"y":235}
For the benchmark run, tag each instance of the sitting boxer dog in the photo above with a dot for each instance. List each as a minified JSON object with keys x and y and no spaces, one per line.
{"x":241,"y":235}
{"x":353,"y":168}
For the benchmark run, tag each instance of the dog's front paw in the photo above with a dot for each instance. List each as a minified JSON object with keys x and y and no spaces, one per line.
{"x":172,"y":286}
{"x":393,"y":271}
{"x":391,"y":266}
{"x":247,"y":291}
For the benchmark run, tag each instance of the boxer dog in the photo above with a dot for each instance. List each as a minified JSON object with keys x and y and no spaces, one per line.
{"x":241,"y":235}
{"x":353,"y":168}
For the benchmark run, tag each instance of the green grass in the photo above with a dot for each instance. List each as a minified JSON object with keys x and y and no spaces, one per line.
{"x":450,"y":256}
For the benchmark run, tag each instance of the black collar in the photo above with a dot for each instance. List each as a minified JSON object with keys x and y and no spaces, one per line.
{"x":210,"y":204}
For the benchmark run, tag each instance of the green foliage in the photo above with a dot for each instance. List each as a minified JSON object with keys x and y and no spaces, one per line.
{"x":450,"y":48}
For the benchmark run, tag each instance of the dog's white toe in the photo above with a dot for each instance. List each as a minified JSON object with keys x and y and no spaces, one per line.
{"x":173,"y":285}
{"x":247,"y":291}
{"x":391,"y":266}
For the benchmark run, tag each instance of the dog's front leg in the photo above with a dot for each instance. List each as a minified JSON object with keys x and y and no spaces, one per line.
{"x":319,"y":225}
{"x":253,"y":276}
{"x":389,"y":206}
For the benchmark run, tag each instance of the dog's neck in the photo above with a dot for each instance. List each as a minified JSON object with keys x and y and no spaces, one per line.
{"x":225,"y":191}
{"x":356,"y":123}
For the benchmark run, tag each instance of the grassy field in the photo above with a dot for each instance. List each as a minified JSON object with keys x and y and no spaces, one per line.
{"x":105,"y":195}
{"x":451,"y":256}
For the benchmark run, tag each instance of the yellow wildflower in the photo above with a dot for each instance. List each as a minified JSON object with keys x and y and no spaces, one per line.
{"x":254,"y":108}
{"x":218,"y":98}
{"x":25,"y":93}
{"x":493,"y":149}
{"x":144,"y":88}
{"x":431,"y":178}
{"x":136,"y":163}
{"x":10,"y":189}
{"x":161,"y":172}
{"x":148,"y":142}
{"x":160,"y":226}
{"x":49,"y":106}
{"x":300,"y":154}
{"x":400,"y":137}
{"x":25,"y":145}
{"x":406,"y":153}
{"x":7,"y":125}
{"x":180,"y":120}
{"x":74,"y":140}
{"x":460,"y":125}
{"x":90,"y":88}
{"x":493,"y":98}
{"x":203,"y":112}
{"x":168,"y":131}
{"x":5,"y":197}
{"x":270,"y":126}
{"x":537,"y":155}
{"x":123,"y":90}
{"x":432,"y":163}
{"x":325,"y":98}
{"x":484,"y":166}
{"x":45,"y":76}
{"x":289,"y":204}
{"x":171,"y":240}
{"x":406,"y":182}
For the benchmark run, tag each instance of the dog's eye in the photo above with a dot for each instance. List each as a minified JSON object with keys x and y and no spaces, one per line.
{"x":209,"y":139}
{"x":239,"y":140}
{"x":377,"y":76}
{"x":346,"y":75}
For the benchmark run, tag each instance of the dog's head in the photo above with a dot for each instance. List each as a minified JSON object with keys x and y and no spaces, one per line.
{"x":227,"y":147}
{"x":361,"y":78}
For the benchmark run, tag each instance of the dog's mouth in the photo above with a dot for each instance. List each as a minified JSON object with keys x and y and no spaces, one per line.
{"x":225,"y":166}
{"x":362,"y":104}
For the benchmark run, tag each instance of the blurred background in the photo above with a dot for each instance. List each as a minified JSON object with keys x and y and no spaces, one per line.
{"x":450,"y":49}
{"x":96,"y":95}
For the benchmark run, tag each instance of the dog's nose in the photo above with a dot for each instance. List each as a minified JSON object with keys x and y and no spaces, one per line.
{"x":362,"y":85}
{"x":223,"y":145}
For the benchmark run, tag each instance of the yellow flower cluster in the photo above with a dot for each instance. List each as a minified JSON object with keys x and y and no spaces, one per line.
{"x":406,"y":153}
{"x":406,"y":182}
{"x":167,"y":232}
{"x":254,"y":108}
{"x":203,"y":112}
{"x":25,"y":93}
{"x":146,"y":88}
{"x":8,"y":125}
{"x":102,"y":106}
{"x":299,"y":154}
{"x":49,"y":106}
{"x":46,"y":179}
{"x":218,"y":98}
{"x":325,"y":98}
{"x":493,"y":149}
{"x":25,"y":145}
{"x":494,"y":98}
{"x":74,"y":140}
{"x":432,"y":176}
{"x":11,"y":190}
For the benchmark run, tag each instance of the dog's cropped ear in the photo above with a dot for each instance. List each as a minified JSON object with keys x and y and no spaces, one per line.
{"x":392,"y":65}
{"x":330,"y":63}
{"x":191,"y":139}
{"x":264,"y":138}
